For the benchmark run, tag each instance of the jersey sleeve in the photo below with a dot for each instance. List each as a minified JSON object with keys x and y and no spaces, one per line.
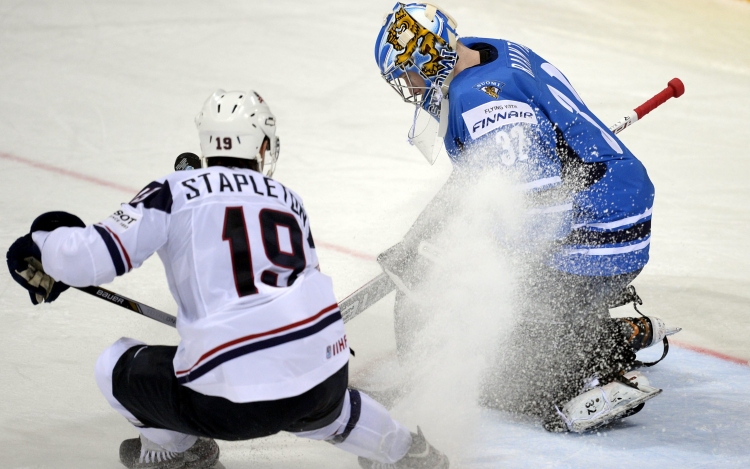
{"x":588,"y":137}
{"x":98,"y":253}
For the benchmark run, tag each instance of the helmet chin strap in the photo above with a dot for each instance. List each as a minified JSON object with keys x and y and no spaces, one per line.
{"x":447,"y":81}
{"x":259,"y":159}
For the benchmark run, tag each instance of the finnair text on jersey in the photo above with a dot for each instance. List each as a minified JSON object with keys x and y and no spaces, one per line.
{"x":495,"y":114}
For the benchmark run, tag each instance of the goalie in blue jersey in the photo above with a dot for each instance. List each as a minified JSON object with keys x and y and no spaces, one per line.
{"x":496,"y":105}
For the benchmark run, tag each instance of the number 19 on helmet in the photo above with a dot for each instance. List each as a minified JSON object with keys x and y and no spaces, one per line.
{"x":239,"y":124}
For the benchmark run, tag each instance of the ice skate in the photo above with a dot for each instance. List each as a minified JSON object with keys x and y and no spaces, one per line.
{"x":204,"y":454}
{"x":646,"y":331}
{"x":643,"y":331}
{"x":141,"y":453}
{"x":603,"y":404}
{"x":421,"y":455}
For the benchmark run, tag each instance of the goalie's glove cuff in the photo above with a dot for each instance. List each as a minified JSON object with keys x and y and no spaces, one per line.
{"x":24,"y":259}
{"x":409,"y":264}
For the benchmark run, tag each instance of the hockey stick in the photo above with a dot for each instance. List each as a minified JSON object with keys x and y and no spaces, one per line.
{"x":377,"y":288}
{"x":350,"y":307}
{"x":675,"y":88}
{"x":371,"y":292}
{"x":132,"y":305}
{"x":183,"y":162}
{"x":187,"y":160}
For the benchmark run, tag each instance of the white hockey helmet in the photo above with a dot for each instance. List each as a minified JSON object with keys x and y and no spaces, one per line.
{"x":236,"y":124}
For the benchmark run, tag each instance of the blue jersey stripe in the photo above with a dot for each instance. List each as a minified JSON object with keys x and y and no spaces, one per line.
{"x":260,"y":345}
{"x":584,"y":237}
{"x":112,"y":248}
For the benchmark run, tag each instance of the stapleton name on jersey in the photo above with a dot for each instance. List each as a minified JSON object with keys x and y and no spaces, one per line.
{"x":201,"y":185}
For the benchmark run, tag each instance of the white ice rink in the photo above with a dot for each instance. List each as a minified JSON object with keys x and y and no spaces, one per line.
{"x":97,"y":98}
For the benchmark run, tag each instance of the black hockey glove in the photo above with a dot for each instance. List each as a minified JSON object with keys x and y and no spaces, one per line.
{"x":24,"y":259}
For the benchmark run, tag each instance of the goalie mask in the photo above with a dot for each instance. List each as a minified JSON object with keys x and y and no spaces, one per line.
{"x":416,"y":53}
{"x":237,"y":124}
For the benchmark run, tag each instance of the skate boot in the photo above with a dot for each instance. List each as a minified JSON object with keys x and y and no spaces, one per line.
{"x":642,"y":332}
{"x":603,"y":404}
{"x":204,"y":454}
{"x":141,"y":453}
{"x":645,"y":331}
{"x":421,"y":455}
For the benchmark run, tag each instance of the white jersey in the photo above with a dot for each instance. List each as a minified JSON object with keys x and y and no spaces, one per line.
{"x":257,"y":319}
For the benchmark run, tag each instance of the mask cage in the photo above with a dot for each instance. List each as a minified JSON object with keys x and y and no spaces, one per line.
{"x":402,"y":84}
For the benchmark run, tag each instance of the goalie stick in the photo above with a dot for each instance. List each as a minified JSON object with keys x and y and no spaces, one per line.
{"x":377,"y":288}
{"x":371,"y":292}
{"x":675,"y":88}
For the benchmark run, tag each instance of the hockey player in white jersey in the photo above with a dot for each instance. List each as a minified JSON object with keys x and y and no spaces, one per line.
{"x":262,"y":344}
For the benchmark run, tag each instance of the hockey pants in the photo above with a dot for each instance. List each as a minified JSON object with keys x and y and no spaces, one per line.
{"x":138,"y":382}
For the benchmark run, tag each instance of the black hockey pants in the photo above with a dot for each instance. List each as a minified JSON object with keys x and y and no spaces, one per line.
{"x":143,"y":381}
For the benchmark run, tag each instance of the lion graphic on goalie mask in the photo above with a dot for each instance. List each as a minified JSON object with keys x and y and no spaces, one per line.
{"x":405,"y":35}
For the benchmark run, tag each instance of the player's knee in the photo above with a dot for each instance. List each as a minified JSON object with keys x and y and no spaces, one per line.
{"x":107,"y":360}
{"x":371,"y":432}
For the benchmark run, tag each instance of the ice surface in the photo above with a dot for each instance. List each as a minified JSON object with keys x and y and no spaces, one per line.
{"x":107,"y":91}
{"x":700,"y":420}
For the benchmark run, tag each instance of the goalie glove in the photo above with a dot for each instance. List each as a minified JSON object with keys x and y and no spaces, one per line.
{"x":24,"y":259}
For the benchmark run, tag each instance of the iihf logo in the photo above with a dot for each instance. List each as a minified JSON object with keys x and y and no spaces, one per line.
{"x":337,"y":347}
{"x":492,"y":88}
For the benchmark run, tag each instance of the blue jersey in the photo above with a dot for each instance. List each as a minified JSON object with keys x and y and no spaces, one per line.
{"x":521,"y":111}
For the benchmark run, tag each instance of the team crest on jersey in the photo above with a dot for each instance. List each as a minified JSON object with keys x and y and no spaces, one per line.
{"x":156,"y":195}
{"x":147,"y":192}
{"x":492,"y":88}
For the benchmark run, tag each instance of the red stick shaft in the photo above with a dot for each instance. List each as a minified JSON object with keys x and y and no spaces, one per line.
{"x":675,"y":89}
